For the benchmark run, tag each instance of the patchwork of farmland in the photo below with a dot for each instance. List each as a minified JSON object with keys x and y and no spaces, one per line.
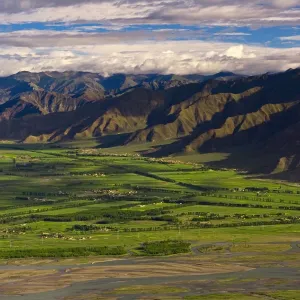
{"x":82,"y":203}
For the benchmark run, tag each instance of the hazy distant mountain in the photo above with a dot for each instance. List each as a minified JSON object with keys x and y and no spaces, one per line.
{"x":255,"y":117}
{"x":74,"y":84}
{"x":91,"y":86}
{"x":28,"y":93}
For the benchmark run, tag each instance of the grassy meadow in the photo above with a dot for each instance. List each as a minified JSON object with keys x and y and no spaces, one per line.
{"x":79,"y":196}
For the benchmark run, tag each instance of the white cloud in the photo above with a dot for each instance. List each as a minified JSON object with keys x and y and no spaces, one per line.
{"x":285,"y":3}
{"x":118,"y":12}
{"x":232,"y":34}
{"x":238,"y":52}
{"x":290,"y":38}
{"x":83,"y":12}
{"x":52,"y":38}
{"x":179,"y":57}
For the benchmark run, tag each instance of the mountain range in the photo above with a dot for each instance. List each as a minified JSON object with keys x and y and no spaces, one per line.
{"x":254,"y":118}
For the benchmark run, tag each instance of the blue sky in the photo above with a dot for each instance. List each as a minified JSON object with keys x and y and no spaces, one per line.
{"x":269,"y":36}
{"x":166,"y":36}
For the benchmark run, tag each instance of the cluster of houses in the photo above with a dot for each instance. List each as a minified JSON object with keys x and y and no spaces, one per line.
{"x":173,"y":162}
{"x":97,"y":175}
{"x":235,"y":190}
{"x":60,"y":236}
{"x":21,"y":230}
{"x":114,"y":193}
{"x":95,"y":152}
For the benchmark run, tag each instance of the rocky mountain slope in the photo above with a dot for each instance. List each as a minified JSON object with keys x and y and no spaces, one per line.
{"x":82,"y":87}
{"x":256,"y":117}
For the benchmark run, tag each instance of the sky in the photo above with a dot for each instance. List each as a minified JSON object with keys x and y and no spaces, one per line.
{"x":157,"y":36}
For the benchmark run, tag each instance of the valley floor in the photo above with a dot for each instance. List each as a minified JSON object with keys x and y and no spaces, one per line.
{"x":78,"y":222}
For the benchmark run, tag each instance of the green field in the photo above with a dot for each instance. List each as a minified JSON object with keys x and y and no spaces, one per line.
{"x":69,"y":194}
{"x":69,"y":201}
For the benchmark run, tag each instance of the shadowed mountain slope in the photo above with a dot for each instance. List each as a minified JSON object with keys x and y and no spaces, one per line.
{"x":261,"y":113}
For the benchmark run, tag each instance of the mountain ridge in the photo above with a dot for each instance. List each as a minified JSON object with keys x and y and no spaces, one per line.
{"x":211,"y":115}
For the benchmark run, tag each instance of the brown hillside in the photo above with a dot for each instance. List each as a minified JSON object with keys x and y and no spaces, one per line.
{"x":260,"y":113}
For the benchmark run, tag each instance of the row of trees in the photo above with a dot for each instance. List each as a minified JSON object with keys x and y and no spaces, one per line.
{"x":61,"y":252}
{"x":202,"y":225}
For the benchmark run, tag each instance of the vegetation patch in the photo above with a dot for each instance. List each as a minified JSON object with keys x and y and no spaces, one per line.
{"x":61,"y":252}
{"x":284,"y":295}
{"x":165,"y":247}
{"x":150,"y":289}
{"x":224,"y":296}
{"x":264,"y":248}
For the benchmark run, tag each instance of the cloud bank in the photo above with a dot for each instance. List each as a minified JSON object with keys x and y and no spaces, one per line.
{"x":179,"y":57}
{"x":241,"y":12}
{"x":139,"y":36}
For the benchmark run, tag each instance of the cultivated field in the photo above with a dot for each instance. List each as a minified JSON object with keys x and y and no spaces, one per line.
{"x":167,"y":228}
